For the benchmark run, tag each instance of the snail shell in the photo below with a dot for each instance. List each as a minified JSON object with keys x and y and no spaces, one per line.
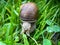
{"x":28,"y":12}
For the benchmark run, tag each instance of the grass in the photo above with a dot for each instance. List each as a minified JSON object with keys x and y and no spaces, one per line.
{"x":47,"y":25}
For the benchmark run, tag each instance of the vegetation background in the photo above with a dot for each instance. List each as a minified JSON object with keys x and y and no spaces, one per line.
{"x":47,"y":31}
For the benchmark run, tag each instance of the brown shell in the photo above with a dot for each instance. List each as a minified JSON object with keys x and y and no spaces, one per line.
{"x":28,"y":11}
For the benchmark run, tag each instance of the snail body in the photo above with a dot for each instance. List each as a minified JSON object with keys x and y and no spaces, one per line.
{"x":28,"y":16}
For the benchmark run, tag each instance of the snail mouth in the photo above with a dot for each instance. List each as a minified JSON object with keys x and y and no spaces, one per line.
{"x":25,"y":31}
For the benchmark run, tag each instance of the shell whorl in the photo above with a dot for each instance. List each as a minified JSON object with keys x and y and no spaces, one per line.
{"x":28,"y":12}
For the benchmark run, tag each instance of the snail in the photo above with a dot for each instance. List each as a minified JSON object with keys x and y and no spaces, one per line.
{"x":28,"y":15}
